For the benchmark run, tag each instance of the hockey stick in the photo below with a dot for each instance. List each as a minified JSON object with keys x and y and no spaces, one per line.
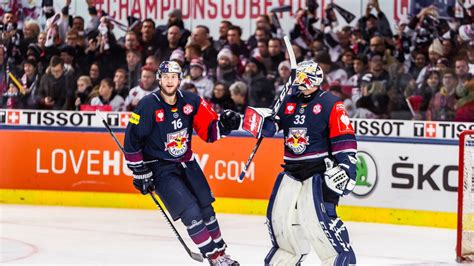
{"x":276,"y":104}
{"x":412,"y":111}
{"x":193,"y":255}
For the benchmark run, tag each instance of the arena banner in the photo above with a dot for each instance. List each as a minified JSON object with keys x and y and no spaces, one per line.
{"x":239,"y":12}
{"x":48,"y":119}
{"x":368,"y":128}
{"x":406,"y":176}
{"x":91,"y":161}
{"x":391,"y":175}
{"x":423,"y":130}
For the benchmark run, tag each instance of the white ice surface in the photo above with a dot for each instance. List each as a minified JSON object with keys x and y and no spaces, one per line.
{"x":50,"y":235}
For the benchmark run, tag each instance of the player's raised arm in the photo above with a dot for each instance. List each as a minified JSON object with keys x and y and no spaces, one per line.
{"x":210,"y":127}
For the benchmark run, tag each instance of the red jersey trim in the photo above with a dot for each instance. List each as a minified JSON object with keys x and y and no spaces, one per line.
{"x":203,"y":118}
{"x":339,"y":121}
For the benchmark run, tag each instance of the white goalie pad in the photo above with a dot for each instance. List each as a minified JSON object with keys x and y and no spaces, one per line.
{"x":313,"y":227}
{"x":286,"y":228}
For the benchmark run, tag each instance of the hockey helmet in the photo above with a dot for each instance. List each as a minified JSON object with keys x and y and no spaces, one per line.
{"x":169,"y":67}
{"x":308,"y":74}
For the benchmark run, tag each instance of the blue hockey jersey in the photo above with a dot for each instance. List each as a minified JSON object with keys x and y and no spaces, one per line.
{"x":317,"y":126}
{"x":157,"y":130}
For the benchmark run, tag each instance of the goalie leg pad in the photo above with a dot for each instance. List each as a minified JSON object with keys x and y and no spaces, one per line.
{"x":290,"y":245}
{"x":326,"y":231}
{"x":282,"y":257}
{"x":198,"y":231}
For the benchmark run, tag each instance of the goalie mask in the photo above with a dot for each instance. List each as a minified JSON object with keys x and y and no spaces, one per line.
{"x":308,"y":74}
{"x":169,"y":67}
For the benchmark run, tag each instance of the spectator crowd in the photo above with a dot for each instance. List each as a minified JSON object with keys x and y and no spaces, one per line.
{"x":420,"y":70}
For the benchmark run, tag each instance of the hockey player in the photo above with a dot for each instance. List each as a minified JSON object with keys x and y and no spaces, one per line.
{"x":160,"y":131}
{"x":320,"y":167}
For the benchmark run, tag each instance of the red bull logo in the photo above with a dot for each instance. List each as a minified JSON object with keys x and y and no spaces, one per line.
{"x":177,"y":143}
{"x":297,"y":140}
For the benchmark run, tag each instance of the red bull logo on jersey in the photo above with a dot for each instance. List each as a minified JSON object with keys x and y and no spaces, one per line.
{"x":177,"y":143}
{"x":297,"y":140}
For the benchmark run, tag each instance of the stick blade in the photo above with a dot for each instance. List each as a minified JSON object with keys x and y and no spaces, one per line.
{"x":241,"y":177}
{"x":196,"y":256}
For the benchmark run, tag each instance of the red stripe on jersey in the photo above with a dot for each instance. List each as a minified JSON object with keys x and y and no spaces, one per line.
{"x":203,"y":118}
{"x":339,"y":122}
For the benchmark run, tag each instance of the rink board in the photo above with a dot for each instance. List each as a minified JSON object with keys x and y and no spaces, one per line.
{"x":408,"y":168}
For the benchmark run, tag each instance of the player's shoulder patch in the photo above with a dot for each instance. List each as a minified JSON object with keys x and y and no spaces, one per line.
{"x":135,"y":119}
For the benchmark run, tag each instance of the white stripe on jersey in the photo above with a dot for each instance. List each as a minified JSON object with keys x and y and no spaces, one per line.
{"x":194,"y":225}
{"x":313,"y":156}
{"x":346,"y":150}
{"x":135,"y":163}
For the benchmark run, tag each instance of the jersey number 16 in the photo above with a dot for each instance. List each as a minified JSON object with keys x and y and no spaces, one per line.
{"x":177,"y":124}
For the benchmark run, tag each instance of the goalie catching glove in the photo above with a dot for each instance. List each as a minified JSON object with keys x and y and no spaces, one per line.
{"x":336,"y":178}
{"x":142,"y":178}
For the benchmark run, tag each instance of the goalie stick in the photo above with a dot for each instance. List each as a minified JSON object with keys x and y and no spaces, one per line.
{"x":276,"y":104}
{"x":195,"y":256}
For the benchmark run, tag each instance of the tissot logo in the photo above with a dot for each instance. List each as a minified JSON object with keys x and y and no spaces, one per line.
{"x":113,"y":119}
{"x":61,"y":118}
{"x":124,"y":119}
{"x":418,"y":129}
{"x":430,"y":130}
{"x":13,"y":117}
{"x":427,"y":130}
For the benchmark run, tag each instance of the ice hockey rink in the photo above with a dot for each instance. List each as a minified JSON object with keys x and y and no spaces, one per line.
{"x":52,"y":235}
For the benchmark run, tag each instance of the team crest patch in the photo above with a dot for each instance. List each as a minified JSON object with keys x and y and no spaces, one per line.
{"x":297,"y":140}
{"x":344,"y":123}
{"x":160,"y":115}
{"x":290,"y":108}
{"x":135,"y":119}
{"x":317,"y":109}
{"x":188,"y":109}
{"x":177,"y":143}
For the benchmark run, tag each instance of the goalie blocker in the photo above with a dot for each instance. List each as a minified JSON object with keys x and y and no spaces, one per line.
{"x":320,"y":167}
